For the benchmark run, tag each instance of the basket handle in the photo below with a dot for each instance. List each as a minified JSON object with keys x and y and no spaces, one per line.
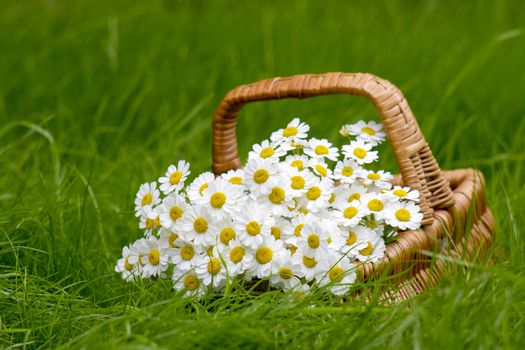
{"x":418,"y":166}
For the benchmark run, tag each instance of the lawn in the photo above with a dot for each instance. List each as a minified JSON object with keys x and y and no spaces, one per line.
{"x":97,"y":97}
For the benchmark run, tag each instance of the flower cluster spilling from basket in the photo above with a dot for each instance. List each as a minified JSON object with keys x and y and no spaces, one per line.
{"x":297,"y":215}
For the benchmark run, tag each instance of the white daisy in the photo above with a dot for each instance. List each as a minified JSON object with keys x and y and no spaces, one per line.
{"x":212,"y":273}
{"x":155,"y":260}
{"x":129,"y":271}
{"x":259,"y":175}
{"x":220,"y":198}
{"x":138,"y":249}
{"x":150,"y":221}
{"x":234,"y":176}
{"x":347,"y":171}
{"x":188,"y":281}
{"x":198,"y":186}
{"x":320,"y":168}
{"x":313,"y":241}
{"x":147,"y":197}
{"x":340,"y":276}
{"x":405,"y":193}
{"x":370,"y":132}
{"x":297,"y":161}
{"x":298,"y":222}
{"x":355,"y":239}
{"x":280,"y":228}
{"x":175,"y":177}
{"x":311,"y":268}
{"x":375,"y":202}
{"x":294,"y":131}
{"x":321,"y":149}
{"x":252,"y":225}
{"x":264,"y":253}
{"x":237,"y":257}
{"x":171,"y":210}
{"x":297,"y":181}
{"x":405,"y":216}
{"x":374,"y":250}
{"x":226,"y":231}
{"x":266,"y":150}
{"x":170,"y":240}
{"x":279,"y":200}
{"x":198,"y":226}
{"x":350,"y":214}
{"x":345,"y":130}
{"x":381,"y":179}
{"x":286,"y":272}
{"x":317,"y":196}
{"x":360,"y":151}
{"x":187,"y":256}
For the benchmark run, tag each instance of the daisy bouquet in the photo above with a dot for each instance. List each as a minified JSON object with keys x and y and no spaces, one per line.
{"x":301,"y":213}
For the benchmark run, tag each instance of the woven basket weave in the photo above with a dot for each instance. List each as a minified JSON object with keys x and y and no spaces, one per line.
{"x":456,"y":219}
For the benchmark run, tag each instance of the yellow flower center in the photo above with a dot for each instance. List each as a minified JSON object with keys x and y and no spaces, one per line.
{"x":285,"y":273}
{"x":200,"y":225}
{"x":367,"y":250}
{"x":226,"y":235}
{"x":373,"y":176}
{"x":237,"y":254}
{"x":368,"y":131}
{"x":360,"y":152}
{"x":209,"y":251}
{"x":261,"y":176}
{"x":277,"y":195}
{"x":147,"y":199}
{"x":263,"y":255}
{"x":298,"y":163}
{"x":400,"y":193}
{"x":187,"y":252}
{"x":321,"y":150}
{"x":309,"y":262}
{"x":352,"y":238}
{"x":297,"y":182}
{"x":350,"y":212}
{"x":298,"y":229}
{"x":303,"y":211}
{"x":175,"y":212}
{"x":375,"y":205}
{"x":354,"y":196}
{"x":191,"y":282}
{"x":402,"y":214}
{"x":202,"y":188}
{"x":336,"y":274}
{"x":321,"y":169}
{"x":127,"y":265}
{"x":214,"y":266}
{"x":253,"y":228}
{"x":152,"y":223}
{"x":267,"y":152}
{"x":276,"y":232}
{"x":313,"y":241}
{"x":332,"y":198}
{"x":347,"y":171}
{"x":175,"y":177}
{"x":290,"y":131}
{"x":171,"y":240}
{"x":217,"y":200}
{"x":292,"y":249}
{"x":313,"y":193}
{"x":154,"y":257}
{"x":371,"y":224}
{"x":235,"y":180}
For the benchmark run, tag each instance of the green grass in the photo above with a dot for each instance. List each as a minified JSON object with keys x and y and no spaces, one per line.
{"x":96,"y":98}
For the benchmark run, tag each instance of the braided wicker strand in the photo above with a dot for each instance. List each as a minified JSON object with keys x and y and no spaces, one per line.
{"x":418,"y":167}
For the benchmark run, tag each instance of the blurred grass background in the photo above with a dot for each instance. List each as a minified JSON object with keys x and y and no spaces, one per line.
{"x":97,"y":97}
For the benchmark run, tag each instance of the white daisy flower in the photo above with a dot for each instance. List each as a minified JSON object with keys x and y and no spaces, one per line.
{"x":266,"y":150}
{"x":147,"y":197}
{"x":264,"y":253}
{"x":188,"y":281}
{"x":355,"y":239}
{"x":129,"y":271}
{"x":286,"y":272}
{"x":311,"y":268}
{"x":341,"y":274}
{"x":279,"y":200}
{"x":212,"y":273}
{"x":170,"y":240}
{"x":381,"y":179}
{"x":220,"y":198}
{"x":138,"y":249}
{"x":294,"y":131}
{"x":150,"y":221}
{"x":259,"y":175}
{"x":297,"y":181}
{"x":187,"y":256}
{"x":234,"y":176}
{"x":321,"y":149}
{"x":198,"y":226}
{"x":350,"y":214}
{"x":317,"y":196}
{"x":313,"y":241}
{"x":252,"y":225}
{"x":347,"y":171}
{"x":345,"y":130}
{"x":405,"y":193}
{"x":375,"y":202}
{"x":280,"y":228}
{"x":297,"y":161}
{"x":374,"y":250}
{"x":298,"y":222}
{"x":155,"y":260}
{"x":370,"y":132}
{"x":237,"y":257}
{"x":360,"y":151}
{"x":320,"y":168}
{"x":405,"y":216}
{"x":226,"y":232}
{"x":197,"y":187}
{"x":175,"y":177}
{"x":171,"y":210}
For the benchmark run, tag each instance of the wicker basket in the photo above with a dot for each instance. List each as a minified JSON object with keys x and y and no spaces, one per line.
{"x":457,"y":221}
